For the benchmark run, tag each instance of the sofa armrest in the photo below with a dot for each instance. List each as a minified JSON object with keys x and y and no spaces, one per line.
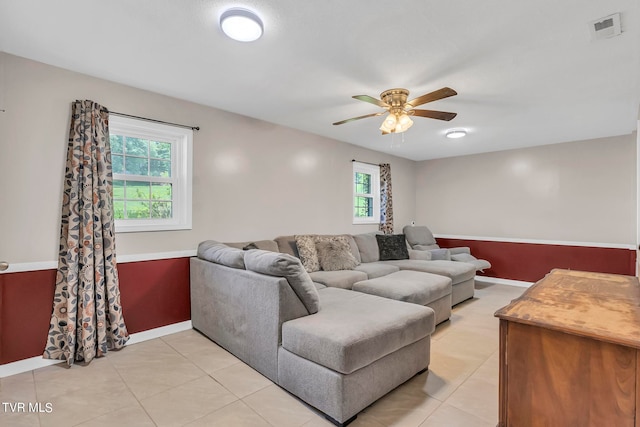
{"x":243,"y":311}
{"x":460,"y":250}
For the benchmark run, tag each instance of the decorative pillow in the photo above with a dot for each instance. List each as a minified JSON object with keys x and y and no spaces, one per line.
{"x":425,"y":247}
{"x":355,"y":251}
{"x":420,"y":255}
{"x":250,"y":246}
{"x":288,"y":266}
{"x":335,"y":254}
{"x":440,"y":254}
{"x":306,"y":244}
{"x":392,"y":246}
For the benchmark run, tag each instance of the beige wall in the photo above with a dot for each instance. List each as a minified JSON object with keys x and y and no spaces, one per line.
{"x":252,"y":179}
{"x":257,"y":180}
{"x":581,"y":191}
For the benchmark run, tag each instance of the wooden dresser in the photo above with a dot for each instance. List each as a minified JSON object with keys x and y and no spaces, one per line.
{"x":570,"y":352}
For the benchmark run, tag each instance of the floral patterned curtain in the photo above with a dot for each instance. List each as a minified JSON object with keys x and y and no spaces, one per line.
{"x":87,"y":316}
{"x":386,"y":199}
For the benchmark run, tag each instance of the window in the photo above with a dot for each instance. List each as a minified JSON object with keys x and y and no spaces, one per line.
{"x":151,"y":175}
{"x":366,"y":193}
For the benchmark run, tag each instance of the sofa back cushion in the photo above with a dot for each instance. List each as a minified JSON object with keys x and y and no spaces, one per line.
{"x":289,"y":267}
{"x":367,"y":246}
{"x":287,"y":245}
{"x":266,"y":245}
{"x":418,"y":235}
{"x":217,"y":252}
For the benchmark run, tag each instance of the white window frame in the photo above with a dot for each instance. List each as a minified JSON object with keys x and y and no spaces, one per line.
{"x":181,"y":140}
{"x":374,"y":172}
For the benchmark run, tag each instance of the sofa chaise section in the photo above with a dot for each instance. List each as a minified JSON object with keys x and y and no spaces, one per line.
{"x":339,"y":352}
{"x":421,"y":238}
{"x":358,"y":346}
{"x":462,"y":274}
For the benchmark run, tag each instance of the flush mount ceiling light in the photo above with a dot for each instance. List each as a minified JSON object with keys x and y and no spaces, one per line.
{"x":241,"y":25}
{"x":456,"y":133}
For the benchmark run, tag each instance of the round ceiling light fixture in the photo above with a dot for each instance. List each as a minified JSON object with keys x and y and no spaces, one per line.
{"x":456,"y":133}
{"x":241,"y":25}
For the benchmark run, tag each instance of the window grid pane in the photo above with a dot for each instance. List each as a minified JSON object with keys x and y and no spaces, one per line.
{"x":363,"y":207}
{"x":116,"y":144}
{"x":139,"y":198}
{"x":363,"y":183}
{"x":141,"y":157}
{"x":142,"y":200}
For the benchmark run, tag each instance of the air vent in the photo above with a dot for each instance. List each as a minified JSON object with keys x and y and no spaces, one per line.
{"x":606,"y":27}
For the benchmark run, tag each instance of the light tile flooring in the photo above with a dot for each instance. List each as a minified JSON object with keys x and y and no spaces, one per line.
{"x":185,"y":379}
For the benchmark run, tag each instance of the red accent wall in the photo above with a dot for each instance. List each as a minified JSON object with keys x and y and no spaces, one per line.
{"x":153,"y":294}
{"x":530,"y":262}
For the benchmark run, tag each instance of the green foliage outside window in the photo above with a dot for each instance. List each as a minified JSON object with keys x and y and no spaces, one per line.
{"x":141,"y":199}
{"x":363,"y":183}
{"x":363,"y":206}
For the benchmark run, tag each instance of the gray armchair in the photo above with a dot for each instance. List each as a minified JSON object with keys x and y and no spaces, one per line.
{"x":420,"y":238}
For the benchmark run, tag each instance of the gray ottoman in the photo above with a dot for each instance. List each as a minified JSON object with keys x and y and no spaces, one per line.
{"x":416,"y":287}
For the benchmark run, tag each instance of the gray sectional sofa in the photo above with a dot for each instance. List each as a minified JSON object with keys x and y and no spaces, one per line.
{"x":339,"y":340}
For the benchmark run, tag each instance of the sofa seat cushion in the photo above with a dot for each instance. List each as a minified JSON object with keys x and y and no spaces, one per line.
{"x":353,"y":329}
{"x":376,"y":269}
{"x":338,"y":279}
{"x":457,"y":271}
{"x":409,"y":286}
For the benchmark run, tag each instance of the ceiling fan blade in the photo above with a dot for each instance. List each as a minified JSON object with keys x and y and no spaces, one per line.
{"x":371,"y":100}
{"x":440,"y":115}
{"x":358,"y":118}
{"x":445,"y":92}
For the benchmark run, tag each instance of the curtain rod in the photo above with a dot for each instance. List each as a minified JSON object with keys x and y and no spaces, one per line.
{"x":154,"y":120}
{"x":366,"y":163}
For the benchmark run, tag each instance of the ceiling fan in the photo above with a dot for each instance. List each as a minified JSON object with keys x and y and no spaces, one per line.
{"x":395,"y":102}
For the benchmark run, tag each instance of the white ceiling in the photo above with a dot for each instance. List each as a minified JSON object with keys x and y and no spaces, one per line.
{"x":527,"y":72}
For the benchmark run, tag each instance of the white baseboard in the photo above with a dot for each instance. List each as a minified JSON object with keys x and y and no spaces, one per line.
{"x":32,"y":363}
{"x":499,"y":281}
{"x":159,"y":332}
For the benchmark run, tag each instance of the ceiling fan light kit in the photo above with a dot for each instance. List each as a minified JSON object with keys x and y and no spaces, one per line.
{"x":395,"y":123}
{"x":395,"y":102}
{"x":241,"y":25}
